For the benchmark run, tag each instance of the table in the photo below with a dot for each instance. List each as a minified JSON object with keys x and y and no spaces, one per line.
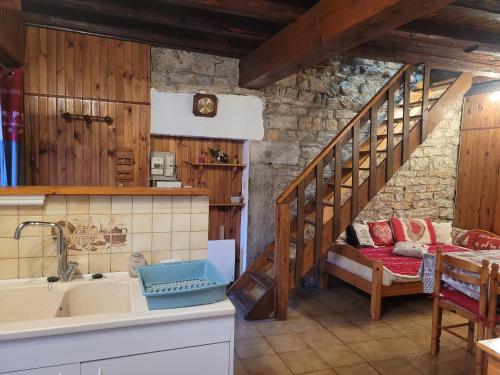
{"x":492,"y":349}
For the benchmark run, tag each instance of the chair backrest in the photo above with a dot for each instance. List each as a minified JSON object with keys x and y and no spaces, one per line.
{"x":464,"y":271}
{"x":494,"y":291}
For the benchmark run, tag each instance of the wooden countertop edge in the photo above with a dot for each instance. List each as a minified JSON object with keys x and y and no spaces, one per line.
{"x":490,"y":347}
{"x":101,"y":190}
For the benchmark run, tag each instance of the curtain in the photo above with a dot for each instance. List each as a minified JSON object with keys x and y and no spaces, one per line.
{"x":12,"y":166}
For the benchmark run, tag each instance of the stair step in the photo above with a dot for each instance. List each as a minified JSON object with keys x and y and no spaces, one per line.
{"x":246,"y":300}
{"x":261,"y":278}
{"x":417,"y":104}
{"x":399,"y":121}
{"x":384,"y":136}
{"x":346,"y":186}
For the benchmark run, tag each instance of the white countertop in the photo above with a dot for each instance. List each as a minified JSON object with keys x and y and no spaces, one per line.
{"x":138,"y":314}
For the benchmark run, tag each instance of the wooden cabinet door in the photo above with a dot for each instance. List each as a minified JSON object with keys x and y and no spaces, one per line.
{"x":206,"y":360}
{"x":73,"y":369}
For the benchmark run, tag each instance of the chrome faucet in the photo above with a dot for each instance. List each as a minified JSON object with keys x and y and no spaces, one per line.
{"x":65,"y":269}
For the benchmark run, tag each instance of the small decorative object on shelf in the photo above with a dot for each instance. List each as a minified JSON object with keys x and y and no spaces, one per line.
{"x":236,"y":199}
{"x":218,"y":155}
{"x":124,"y":165}
{"x":205,"y":105}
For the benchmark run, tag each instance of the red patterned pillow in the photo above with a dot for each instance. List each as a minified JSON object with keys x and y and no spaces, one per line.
{"x":469,"y":239}
{"x":381,"y":233}
{"x":487,"y":242}
{"x":416,"y":230}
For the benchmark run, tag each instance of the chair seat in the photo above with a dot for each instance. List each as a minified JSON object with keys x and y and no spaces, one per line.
{"x":465,"y":302}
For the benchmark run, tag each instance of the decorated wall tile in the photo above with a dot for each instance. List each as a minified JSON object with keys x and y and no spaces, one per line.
{"x":102,"y":231}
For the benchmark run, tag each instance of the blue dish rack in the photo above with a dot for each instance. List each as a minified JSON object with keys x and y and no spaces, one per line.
{"x":181,"y":284}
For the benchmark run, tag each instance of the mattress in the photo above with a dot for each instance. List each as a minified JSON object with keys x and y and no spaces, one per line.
{"x":366,"y":272}
{"x":396,"y":268}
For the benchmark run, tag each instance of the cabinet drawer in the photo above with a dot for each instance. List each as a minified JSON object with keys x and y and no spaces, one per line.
{"x":207,"y":360}
{"x":55,"y":370}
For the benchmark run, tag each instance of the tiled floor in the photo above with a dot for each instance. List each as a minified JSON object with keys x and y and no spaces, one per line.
{"x":329,"y":332}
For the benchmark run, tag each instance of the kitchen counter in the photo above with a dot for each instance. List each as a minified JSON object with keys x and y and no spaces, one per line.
{"x":88,"y":327}
{"x":101,"y":190}
{"x":138,"y":315}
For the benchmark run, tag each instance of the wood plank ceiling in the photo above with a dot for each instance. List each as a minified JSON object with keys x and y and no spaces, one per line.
{"x":463,"y":36}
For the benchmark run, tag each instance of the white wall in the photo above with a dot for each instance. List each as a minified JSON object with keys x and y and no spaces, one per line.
{"x":238,"y":116}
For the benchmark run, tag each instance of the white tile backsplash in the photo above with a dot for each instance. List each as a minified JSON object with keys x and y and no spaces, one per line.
{"x":102,"y":232}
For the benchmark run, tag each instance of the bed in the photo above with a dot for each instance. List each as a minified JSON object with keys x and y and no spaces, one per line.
{"x":379,"y":272}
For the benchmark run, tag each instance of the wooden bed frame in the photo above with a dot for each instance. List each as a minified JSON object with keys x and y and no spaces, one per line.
{"x":375,"y":289}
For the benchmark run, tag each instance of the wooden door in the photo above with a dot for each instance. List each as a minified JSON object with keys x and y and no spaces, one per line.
{"x":477,"y":203}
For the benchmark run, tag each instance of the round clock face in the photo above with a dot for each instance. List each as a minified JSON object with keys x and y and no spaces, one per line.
{"x":205,"y":106}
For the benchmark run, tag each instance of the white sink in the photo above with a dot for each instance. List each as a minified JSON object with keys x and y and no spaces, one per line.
{"x":95,"y":298}
{"x":30,"y":302}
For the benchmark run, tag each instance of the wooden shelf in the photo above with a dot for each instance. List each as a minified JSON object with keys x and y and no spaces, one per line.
{"x":100,"y":190}
{"x":228,"y":204}
{"x":222,"y":165}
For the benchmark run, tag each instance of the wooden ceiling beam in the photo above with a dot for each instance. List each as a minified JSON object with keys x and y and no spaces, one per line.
{"x":278,"y":11}
{"x":158,"y":37}
{"x":10,"y":4}
{"x":431,"y":28}
{"x":327,"y":29}
{"x":389,"y":53}
{"x":484,"y":5}
{"x":175,"y":17}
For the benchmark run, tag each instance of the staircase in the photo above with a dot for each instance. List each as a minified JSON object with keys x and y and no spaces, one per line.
{"x":332,"y":190}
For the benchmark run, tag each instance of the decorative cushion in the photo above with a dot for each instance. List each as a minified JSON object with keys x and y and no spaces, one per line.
{"x":410,"y":249}
{"x":417,"y":230}
{"x":443,"y":232}
{"x":381,"y":232}
{"x":358,"y":235}
{"x":487,"y":242}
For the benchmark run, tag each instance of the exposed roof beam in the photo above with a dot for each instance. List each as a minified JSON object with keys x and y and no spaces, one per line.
{"x":164,"y":15}
{"x":159,"y":37}
{"x":471,"y":35}
{"x":278,"y":11}
{"x":10,"y":4}
{"x":484,"y":88}
{"x":327,"y":29}
{"x":389,"y":53}
{"x":473,"y":12}
{"x":485,"y":5}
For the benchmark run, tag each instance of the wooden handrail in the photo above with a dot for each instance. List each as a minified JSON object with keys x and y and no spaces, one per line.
{"x":286,"y":195}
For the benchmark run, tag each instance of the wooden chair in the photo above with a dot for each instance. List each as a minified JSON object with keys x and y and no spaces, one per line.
{"x":460,"y":304}
{"x":493,"y":320}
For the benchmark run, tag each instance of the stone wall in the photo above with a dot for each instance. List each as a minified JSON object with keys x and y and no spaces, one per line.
{"x":302,"y":114}
{"x":425,"y":185}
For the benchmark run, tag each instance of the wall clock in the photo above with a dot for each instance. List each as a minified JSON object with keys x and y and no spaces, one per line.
{"x":205,"y":105}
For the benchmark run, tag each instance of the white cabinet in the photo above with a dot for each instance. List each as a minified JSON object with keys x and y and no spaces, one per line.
{"x":73,"y":369}
{"x":207,"y":360}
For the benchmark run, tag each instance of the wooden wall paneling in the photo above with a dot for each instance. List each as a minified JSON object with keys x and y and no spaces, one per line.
{"x":220,"y":181}
{"x":12,"y":38}
{"x":87,"y":75}
{"x":478,"y":181}
{"x":71,"y":132}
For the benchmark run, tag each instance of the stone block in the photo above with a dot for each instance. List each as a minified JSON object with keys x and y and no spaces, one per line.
{"x":264,"y":152}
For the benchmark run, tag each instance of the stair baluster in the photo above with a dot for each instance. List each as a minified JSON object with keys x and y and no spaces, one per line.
{"x":425,"y":102}
{"x":318,"y":231}
{"x":282,"y":259}
{"x":355,"y":172}
{"x":406,"y":116}
{"x":390,"y":134}
{"x":337,"y":188}
{"x":373,"y":151}
{"x":299,"y":246}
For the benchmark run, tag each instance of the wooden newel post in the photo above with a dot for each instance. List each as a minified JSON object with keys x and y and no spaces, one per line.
{"x":281,"y":259}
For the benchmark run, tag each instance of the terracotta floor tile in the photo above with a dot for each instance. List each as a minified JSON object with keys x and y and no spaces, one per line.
{"x":252,"y":348}
{"x":239,"y":369}
{"x":361,"y":369}
{"x":332,"y":320}
{"x":339,"y":356}
{"x":320,"y":339}
{"x":372,"y":351}
{"x":286,"y":343}
{"x":407,"y":327}
{"x":245,"y":331}
{"x":427,"y":365}
{"x":380,"y":331}
{"x":395,"y":367}
{"x":403,"y":346}
{"x":273,"y":327}
{"x":266,"y":365}
{"x":305,"y":325}
{"x":303,"y":361}
{"x":349,"y":334}
{"x":322,"y":372}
